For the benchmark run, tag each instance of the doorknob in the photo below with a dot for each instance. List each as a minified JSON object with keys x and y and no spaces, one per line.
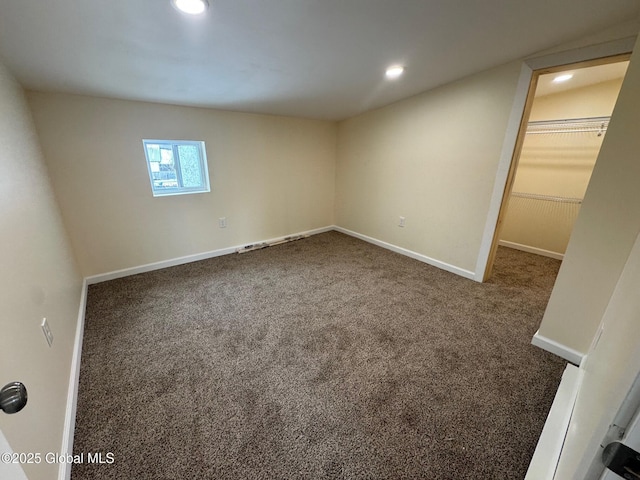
{"x":13,"y":397}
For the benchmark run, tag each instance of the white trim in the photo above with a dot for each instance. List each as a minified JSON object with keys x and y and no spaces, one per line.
{"x":504,"y":165}
{"x":64,"y":472}
{"x":423,"y":258}
{"x":149,"y":267}
{"x":591,"y":52}
{"x":528,"y":249}
{"x":545,"y":458}
{"x":608,"y":49}
{"x":556,"y":348}
{"x":125,"y":272}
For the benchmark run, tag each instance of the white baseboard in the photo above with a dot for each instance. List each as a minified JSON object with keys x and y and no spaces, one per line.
{"x":547,"y":453}
{"x":527,"y":248}
{"x":125,"y":272}
{"x":556,"y":348}
{"x":72,"y":395}
{"x":423,"y":258}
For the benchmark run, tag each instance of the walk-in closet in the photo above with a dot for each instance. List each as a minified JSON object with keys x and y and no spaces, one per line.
{"x":567,"y":125}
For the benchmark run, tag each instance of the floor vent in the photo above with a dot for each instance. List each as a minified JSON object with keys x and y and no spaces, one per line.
{"x":261,"y":245}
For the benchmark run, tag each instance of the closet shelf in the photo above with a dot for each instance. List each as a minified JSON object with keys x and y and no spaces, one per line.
{"x":547,"y":198}
{"x":596,"y":125}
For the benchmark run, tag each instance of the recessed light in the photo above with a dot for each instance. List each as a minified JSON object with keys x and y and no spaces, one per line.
{"x":563,"y":78}
{"x":394,"y":71}
{"x":192,"y":7}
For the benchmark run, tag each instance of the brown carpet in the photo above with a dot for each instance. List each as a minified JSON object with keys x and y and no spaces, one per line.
{"x":324,"y":358}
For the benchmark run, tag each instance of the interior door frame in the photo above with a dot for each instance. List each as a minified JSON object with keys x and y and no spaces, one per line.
{"x":601,"y":54}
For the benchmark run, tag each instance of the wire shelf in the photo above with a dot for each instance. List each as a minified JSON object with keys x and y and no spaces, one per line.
{"x":597,"y":125}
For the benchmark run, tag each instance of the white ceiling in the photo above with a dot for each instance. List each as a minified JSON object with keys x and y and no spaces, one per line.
{"x":310,"y":58}
{"x":581,"y":78}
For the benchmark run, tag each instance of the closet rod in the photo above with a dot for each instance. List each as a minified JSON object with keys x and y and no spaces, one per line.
{"x":548,"y":198}
{"x":570,"y":125}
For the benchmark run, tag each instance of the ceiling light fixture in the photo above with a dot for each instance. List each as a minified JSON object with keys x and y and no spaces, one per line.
{"x":394,"y":71}
{"x":563,"y":78}
{"x":192,"y":7}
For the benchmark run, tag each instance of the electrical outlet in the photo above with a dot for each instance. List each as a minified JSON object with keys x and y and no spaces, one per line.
{"x":47,"y":331}
{"x":222,"y":222}
{"x":402,"y":222}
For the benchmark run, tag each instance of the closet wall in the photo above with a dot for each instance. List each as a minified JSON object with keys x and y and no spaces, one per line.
{"x":555,"y":166}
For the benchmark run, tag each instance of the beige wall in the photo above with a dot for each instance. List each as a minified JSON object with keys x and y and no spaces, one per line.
{"x":591,"y":101}
{"x":38,"y":279}
{"x":606,"y":228}
{"x":270,"y":176}
{"x":558,"y":165}
{"x":609,"y":372}
{"x":431,"y":158}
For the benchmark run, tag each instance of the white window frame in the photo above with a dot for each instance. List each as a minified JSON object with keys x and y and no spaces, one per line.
{"x":179,"y":190}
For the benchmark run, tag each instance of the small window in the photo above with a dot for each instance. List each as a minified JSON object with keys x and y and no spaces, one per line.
{"x":176,"y":167}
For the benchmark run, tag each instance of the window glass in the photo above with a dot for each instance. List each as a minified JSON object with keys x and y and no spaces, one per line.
{"x":176,"y":167}
{"x":190,"y":166}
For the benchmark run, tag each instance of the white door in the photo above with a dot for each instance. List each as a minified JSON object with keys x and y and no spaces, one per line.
{"x":8,"y":469}
{"x":610,"y":371}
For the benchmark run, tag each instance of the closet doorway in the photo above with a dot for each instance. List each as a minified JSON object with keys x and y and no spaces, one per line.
{"x":564,"y":124}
